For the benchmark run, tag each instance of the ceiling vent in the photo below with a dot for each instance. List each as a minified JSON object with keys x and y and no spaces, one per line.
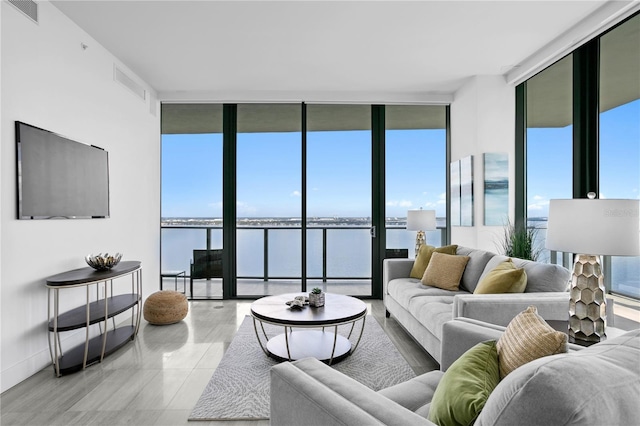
{"x":125,"y":80}
{"x":28,"y":7}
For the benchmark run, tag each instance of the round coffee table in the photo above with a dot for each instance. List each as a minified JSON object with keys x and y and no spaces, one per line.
{"x":327,"y":346}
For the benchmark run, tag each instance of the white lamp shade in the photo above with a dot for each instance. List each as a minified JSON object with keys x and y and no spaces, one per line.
{"x":596,"y":227}
{"x":421,"y":220}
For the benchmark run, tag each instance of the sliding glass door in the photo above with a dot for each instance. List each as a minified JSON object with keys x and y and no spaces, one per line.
{"x":338,"y":197}
{"x":268,"y":194}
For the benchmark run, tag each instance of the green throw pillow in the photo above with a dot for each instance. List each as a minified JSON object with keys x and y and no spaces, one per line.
{"x":504,"y":278}
{"x":465,"y":387}
{"x":424,"y":256}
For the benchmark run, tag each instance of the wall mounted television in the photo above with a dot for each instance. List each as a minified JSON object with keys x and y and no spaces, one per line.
{"x":58,"y":178}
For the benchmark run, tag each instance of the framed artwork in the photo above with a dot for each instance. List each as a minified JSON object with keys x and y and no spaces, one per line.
{"x":496,"y":188}
{"x":466,"y":191}
{"x":454,"y":173}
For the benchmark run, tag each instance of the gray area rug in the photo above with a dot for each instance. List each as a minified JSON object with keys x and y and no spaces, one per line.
{"x":239,"y":388}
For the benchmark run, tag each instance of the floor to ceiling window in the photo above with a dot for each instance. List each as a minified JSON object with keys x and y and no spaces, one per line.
{"x":597,"y":116}
{"x":549,"y":143}
{"x":339,"y":198}
{"x":282,"y":198}
{"x":191,"y":209}
{"x":620,"y":134}
{"x":415,"y":157}
{"x":268,"y":206}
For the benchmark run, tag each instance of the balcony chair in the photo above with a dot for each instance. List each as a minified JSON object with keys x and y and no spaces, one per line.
{"x":206,"y":264}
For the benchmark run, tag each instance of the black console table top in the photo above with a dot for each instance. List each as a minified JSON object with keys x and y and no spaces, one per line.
{"x":88,"y":274}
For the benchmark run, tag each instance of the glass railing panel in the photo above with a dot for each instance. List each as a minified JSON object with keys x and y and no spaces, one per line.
{"x":625,"y":275}
{"x":400,"y":238}
{"x":349,"y":253}
{"x":250,"y":252}
{"x":284,"y":253}
{"x":178,"y":245}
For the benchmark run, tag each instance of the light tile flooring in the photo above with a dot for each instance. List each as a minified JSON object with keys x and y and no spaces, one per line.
{"x":158,"y":378}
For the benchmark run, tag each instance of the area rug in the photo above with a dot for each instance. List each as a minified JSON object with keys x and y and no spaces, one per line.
{"x":239,"y":388}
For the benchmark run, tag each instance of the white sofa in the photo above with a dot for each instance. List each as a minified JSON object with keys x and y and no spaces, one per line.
{"x":422,"y":310}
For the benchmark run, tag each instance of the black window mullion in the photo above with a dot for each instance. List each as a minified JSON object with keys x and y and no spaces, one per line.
{"x":520,"y":213}
{"x":378,"y":244}
{"x":303,"y":198}
{"x":586,"y":120}
{"x":229,"y":181}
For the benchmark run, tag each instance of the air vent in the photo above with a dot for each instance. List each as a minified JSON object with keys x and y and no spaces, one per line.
{"x":28,"y":7}
{"x":153,"y":100}
{"x":128,"y":82}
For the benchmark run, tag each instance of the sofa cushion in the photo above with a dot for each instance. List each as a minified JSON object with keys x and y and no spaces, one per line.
{"x":526,"y":338}
{"x":465,"y":387}
{"x":403,"y":290}
{"x":541,"y":277}
{"x":504,"y":278}
{"x":415,"y":394}
{"x":424,"y":256}
{"x":598,"y":385}
{"x":445,"y":271}
{"x":478,"y":260}
{"x":432,"y":312}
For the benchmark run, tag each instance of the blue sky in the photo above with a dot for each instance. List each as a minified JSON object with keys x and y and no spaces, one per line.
{"x":549,"y":159}
{"x":269,"y":173}
{"x":339,"y":175}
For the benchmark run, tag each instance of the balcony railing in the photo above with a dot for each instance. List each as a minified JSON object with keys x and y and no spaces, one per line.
{"x":274,"y":252}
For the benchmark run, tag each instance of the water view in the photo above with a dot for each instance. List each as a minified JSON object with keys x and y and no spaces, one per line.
{"x":345,"y":241}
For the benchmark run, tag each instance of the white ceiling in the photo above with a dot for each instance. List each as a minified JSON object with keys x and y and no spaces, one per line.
{"x":419,"y":47}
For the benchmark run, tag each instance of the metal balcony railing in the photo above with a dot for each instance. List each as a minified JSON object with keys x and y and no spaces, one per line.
{"x":180,"y":252}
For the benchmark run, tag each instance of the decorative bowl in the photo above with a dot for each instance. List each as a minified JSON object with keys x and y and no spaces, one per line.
{"x":102,"y":262}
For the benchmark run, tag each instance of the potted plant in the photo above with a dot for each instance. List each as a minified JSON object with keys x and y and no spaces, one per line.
{"x":316,"y":297}
{"x":519,"y":241}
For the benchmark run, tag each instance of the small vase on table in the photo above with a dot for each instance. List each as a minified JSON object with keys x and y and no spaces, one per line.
{"x":316,"y":298}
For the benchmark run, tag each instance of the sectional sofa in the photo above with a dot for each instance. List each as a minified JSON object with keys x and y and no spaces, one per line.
{"x":599,"y":385}
{"x":422,"y":310}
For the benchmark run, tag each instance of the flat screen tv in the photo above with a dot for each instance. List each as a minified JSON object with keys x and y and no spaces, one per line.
{"x":59,"y":178}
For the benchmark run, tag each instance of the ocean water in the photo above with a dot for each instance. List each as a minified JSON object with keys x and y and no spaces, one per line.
{"x":347,"y":252}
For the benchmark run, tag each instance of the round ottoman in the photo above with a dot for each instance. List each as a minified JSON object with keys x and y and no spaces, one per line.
{"x":165,"y":307}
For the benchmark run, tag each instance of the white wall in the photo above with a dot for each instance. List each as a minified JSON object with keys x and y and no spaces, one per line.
{"x":483,"y":120}
{"x":49,"y":81}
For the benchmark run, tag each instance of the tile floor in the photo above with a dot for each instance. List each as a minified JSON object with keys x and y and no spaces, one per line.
{"x":158,"y":378}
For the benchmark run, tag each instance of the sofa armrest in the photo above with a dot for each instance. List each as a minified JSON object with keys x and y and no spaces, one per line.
{"x":461,"y":334}
{"x":500,"y":309}
{"x":308,"y":392}
{"x":395,"y":268}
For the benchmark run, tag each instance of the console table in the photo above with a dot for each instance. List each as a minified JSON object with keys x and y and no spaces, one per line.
{"x":97,"y":310}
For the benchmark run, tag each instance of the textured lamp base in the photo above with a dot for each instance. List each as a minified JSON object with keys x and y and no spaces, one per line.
{"x":420,"y":241}
{"x":587,"y":307}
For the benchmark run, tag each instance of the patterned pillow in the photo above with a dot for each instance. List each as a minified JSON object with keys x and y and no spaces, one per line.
{"x":424,"y":256}
{"x":526,"y":338}
{"x":445,"y":271}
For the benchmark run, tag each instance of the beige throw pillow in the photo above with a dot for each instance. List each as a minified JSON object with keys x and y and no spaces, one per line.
{"x":424,"y":256}
{"x":504,"y":278}
{"x":445,"y":271}
{"x":526,"y":338}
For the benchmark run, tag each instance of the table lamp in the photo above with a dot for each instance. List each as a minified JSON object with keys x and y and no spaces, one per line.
{"x":590,"y":228}
{"x":421,"y":220}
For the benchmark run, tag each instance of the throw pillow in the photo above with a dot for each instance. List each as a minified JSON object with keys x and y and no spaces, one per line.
{"x":424,"y":256}
{"x":504,"y":278}
{"x":526,"y":338}
{"x":445,"y":271}
{"x":465,"y":386}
